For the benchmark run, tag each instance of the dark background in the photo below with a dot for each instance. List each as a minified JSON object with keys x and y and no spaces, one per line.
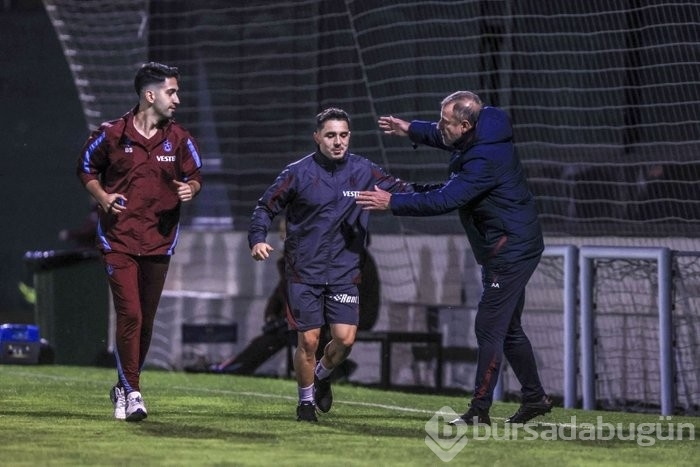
{"x":603,"y":97}
{"x":42,"y":129}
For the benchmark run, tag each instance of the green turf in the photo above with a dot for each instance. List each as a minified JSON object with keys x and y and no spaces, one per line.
{"x":60,"y":415}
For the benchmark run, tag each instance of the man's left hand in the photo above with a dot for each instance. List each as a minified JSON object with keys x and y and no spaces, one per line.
{"x":185,"y":191}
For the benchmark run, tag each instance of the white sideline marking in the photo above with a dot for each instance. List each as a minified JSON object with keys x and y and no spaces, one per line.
{"x":397,"y":408}
{"x":277,"y":396}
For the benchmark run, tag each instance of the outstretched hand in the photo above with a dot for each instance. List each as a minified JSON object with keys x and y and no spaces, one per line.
{"x":391,"y":125}
{"x":377,"y":200}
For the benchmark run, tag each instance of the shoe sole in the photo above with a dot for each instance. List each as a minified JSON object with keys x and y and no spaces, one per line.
{"x":321,"y":401}
{"x":539,"y":412}
{"x":461,"y":421}
{"x":137,"y":416}
{"x":322,"y":408}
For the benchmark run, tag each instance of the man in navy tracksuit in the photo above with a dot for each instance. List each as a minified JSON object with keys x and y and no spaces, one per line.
{"x":323,"y":249}
{"x":487,"y":186}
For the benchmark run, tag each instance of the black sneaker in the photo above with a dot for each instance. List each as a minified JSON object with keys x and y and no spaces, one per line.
{"x":473,"y":416}
{"x":530,"y":410}
{"x":306,"y":412}
{"x":323,"y":394}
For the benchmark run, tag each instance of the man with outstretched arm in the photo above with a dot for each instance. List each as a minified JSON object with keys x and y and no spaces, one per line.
{"x":488,"y":188}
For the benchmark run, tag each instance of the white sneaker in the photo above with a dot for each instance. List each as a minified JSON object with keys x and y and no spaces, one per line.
{"x":135,"y":409}
{"x":116,"y":395}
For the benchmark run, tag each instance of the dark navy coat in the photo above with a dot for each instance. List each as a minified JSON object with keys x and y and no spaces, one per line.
{"x":326,"y":229}
{"x":487,"y":186}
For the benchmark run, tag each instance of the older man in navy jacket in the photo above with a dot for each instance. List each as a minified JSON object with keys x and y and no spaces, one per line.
{"x":487,"y":186}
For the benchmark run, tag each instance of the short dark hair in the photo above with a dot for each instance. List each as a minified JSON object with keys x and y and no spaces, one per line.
{"x":151,"y":73}
{"x":331,"y":113}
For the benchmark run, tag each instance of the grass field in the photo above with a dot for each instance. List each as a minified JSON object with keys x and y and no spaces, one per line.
{"x":60,"y":415}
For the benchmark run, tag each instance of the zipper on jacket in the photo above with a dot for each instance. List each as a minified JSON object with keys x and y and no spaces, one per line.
{"x":335,"y":206}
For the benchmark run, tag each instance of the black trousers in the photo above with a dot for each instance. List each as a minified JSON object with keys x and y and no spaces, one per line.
{"x":499,"y":333}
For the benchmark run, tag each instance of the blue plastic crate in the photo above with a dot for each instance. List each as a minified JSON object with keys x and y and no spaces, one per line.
{"x":19,"y":343}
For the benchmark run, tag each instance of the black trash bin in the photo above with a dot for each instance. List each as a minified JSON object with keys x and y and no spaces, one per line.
{"x":72,"y":303}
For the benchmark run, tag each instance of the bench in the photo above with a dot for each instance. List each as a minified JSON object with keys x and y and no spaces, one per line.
{"x":388,"y":338}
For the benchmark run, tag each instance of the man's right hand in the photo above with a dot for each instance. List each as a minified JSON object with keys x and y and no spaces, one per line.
{"x":261,"y":251}
{"x":377,"y":200}
{"x":393,"y":126}
{"x":113,"y":203}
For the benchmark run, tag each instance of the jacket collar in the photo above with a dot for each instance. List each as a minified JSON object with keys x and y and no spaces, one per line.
{"x":136,"y":137}
{"x":466,"y":141}
{"x":493,"y":126}
{"x":329,"y":164}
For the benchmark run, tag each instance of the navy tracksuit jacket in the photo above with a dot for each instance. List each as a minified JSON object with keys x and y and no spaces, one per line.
{"x":326,"y":229}
{"x":487,"y":186}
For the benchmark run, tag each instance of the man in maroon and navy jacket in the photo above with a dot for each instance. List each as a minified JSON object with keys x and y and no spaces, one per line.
{"x":139,"y":169}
